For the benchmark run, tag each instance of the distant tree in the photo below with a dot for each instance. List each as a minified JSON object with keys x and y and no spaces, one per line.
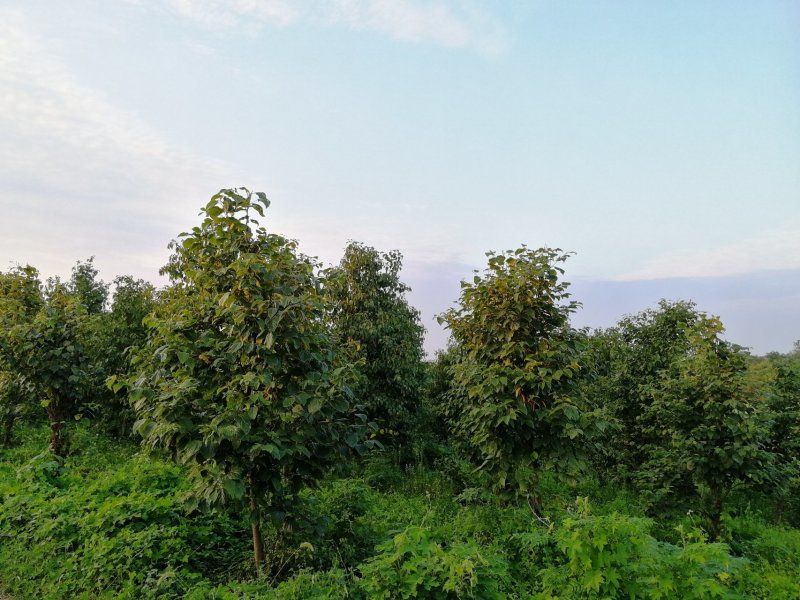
{"x":518,"y":362}
{"x":240,"y":378}
{"x":783,"y":400}
{"x":118,"y":333}
{"x":627,"y":361}
{"x":373,"y":320}
{"x":20,"y":299}
{"x":90,"y":291}
{"x":707,"y":411}
{"x":444,"y":395}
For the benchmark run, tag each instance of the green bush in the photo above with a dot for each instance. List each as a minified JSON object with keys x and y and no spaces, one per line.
{"x":412,"y":565}
{"x":614,"y":556}
{"x":114,"y":532}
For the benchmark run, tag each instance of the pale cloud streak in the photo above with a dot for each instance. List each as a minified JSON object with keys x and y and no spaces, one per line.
{"x":773,"y":249}
{"x":453,"y":24}
{"x":75,"y":167}
{"x":236,"y":12}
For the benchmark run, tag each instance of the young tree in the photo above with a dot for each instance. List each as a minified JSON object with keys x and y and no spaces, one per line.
{"x":517,"y":364}
{"x":707,"y":410}
{"x":783,"y":400}
{"x":372,"y":318}
{"x":118,"y":333}
{"x":627,"y":362}
{"x":20,"y":299}
{"x":47,"y":350}
{"x":239,"y":377}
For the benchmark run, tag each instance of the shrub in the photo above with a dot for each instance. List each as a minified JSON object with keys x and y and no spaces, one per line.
{"x":412,"y":565}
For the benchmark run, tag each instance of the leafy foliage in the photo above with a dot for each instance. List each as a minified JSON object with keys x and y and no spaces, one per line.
{"x":371,"y":317}
{"x":20,"y":299}
{"x":614,"y":556}
{"x":113,"y":528}
{"x":627,"y":362}
{"x":518,"y":361}
{"x":239,"y":377}
{"x":707,"y":409}
{"x":90,"y":291}
{"x":413,"y":566}
{"x":117,"y":334}
{"x":247,"y":372}
{"x":47,"y":350}
{"x":783,"y":399}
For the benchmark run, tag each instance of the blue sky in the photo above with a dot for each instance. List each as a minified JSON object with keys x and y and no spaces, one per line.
{"x":660,"y":141}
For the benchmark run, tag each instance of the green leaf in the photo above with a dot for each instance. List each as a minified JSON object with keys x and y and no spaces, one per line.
{"x":234,"y":488}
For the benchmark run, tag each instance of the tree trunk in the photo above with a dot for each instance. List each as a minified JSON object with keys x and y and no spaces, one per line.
{"x":8,"y":429}
{"x":778,"y":509}
{"x":255,"y":522}
{"x":715,"y":516}
{"x":55,"y":414}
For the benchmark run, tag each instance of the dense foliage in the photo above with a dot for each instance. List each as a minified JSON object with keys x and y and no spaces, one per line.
{"x":163,"y":444}
{"x":239,"y":377}
{"x":517,"y":366}
{"x":382,"y":333}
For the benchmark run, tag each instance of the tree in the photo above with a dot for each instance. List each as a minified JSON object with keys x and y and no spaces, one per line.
{"x":90,"y":291}
{"x":118,"y":333}
{"x":627,"y":361}
{"x":707,"y":410}
{"x":783,"y":401}
{"x":517,"y":365}
{"x":47,"y":350}
{"x":20,"y":299}
{"x":239,"y":377}
{"x":372,"y":318}
{"x":92,"y":294}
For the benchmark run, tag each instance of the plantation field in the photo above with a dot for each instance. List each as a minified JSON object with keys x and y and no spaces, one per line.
{"x":264,"y":427}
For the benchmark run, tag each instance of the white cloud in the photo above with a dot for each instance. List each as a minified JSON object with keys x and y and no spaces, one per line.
{"x":233,"y":12}
{"x":450,"y":24}
{"x":407,"y":21}
{"x":80,"y":175}
{"x":773,"y":249}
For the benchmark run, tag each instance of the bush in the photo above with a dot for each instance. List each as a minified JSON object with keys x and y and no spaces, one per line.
{"x":118,"y":531}
{"x":412,"y":565}
{"x":614,"y":556}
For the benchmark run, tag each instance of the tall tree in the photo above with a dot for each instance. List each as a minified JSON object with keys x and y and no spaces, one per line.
{"x":239,"y":377}
{"x":373,"y":320}
{"x":517,"y":364}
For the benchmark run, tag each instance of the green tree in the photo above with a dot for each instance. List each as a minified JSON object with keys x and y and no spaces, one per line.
{"x":20,"y":299}
{"x":48,"y":351}
{"x":118,"y":333}
{"x":707,"y":409}
{"x":626,"y":362}
{"x":372,"y":318}
{"x":783,"y":399}
{"x":517,"y":366}
{"x":443,"y":395}
{"x":90,"y":291}
{"x":239,"y":377}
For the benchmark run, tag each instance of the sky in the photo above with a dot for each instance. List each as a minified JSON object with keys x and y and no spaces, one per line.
{"x":659,"y":141}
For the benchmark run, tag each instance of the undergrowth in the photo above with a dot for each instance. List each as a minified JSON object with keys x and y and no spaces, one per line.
{"x":111,"y":522}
